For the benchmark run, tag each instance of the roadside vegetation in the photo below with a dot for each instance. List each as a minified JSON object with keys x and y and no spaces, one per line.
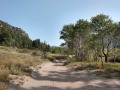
{"x":52,"y":57}
{"x":109,"y":70}
{"x":17,"y":62}
{"x":19,"y":54}
{"x":93,"y":45}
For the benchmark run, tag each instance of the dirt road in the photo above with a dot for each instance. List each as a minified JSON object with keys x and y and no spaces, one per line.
{"x":55,"y":76}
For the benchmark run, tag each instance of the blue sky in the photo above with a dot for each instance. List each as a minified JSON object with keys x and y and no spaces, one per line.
{"x":44,"y":19}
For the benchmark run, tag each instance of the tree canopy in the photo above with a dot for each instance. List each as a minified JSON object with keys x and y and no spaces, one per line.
{"x":94,"y":37}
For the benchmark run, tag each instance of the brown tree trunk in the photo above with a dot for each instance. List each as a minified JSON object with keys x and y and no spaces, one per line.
{"x":106,"y":58}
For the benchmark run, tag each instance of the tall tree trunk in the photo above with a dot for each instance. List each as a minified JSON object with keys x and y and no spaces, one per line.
{"x":106,"y":58}
{"x":101,"y":56}
{"x":95,"y":56}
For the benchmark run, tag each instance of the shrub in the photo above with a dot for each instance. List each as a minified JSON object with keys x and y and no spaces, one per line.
{"x":117,"y":54}
{"x":4,"y":75}
{"x":17,"y":63}
{"x":36,"y":53}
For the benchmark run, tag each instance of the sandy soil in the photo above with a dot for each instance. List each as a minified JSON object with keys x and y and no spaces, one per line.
{"x":55,"y":76}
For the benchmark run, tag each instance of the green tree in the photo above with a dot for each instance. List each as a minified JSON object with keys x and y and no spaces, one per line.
{"x":13,"y":36}
{"x":81,"y":40}
{"x":76,"y":38}
{"x":103,"y":26}
{"x":67,"y":34}
{"x":36,"y":44}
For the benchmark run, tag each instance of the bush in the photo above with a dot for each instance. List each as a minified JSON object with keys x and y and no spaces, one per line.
{"x":17,"y":63}
{"x":109,"y":70}
{"x":20,"y":68}
{"x":36,"y":53}
{"x":4,"y":75}
{"x":117,"y":59}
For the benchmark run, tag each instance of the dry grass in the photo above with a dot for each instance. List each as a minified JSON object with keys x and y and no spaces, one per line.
{"x":16,"y":63}
{"x":3,"y":86}
{"x":109,"y":70}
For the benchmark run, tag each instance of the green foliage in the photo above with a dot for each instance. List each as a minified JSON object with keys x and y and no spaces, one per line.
{"x":36,"y":44}
{"x":87,"y":40}
{"x":13,"y":36}
{"x":56,"y":50}
{"x":68,"y":35}
{"x":76,"y":37}
{"x":104,"y":27}
{"x":16,"y":37}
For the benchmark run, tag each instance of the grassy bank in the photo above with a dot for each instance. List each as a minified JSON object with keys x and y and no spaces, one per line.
{"x":17,"y":62}
{"x":109,"y":70}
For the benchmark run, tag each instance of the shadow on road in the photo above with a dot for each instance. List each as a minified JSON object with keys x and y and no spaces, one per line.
{"x":62,"y":77}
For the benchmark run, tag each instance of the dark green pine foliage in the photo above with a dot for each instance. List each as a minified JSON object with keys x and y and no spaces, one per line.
{"x":13,"y":36}
{"x":36,"y":44}
{"x":16,"y":37}
{"x":45,"y":47}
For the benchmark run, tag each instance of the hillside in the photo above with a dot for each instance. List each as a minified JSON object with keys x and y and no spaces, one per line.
{"x":16,"y":37}
{"x":17,"y":62}
{"x":13,"y":36}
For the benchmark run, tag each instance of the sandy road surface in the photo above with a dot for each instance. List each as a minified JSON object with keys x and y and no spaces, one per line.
{"x":55,"y":76}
